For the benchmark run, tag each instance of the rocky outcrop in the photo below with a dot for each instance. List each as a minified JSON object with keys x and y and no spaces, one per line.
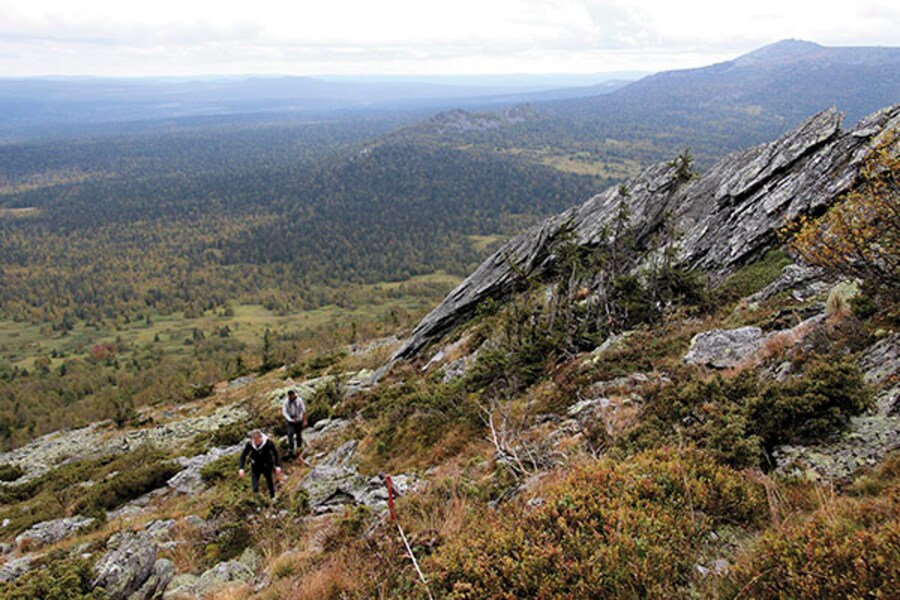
{"x":881,"y":369}
{"x":727,"y":217}
{"x":160,"y":576}
{"x":130,"y":561}
{"x":15,"y":568}
{"x":50,"y":532}
{"x":54,"y":449}
{"x":187,"y":585}
{"x":862,"y":444}
{"x":335,"y":482}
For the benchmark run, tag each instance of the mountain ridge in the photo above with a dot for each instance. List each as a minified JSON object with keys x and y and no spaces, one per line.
{"x":726,"y":216}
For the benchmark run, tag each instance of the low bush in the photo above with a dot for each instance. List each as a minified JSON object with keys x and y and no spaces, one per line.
{"x":231,"y":540}
{"x":58,"y":579}
{"x":609,"y":530}
{"x":738,"y":421}
{"x":128,"y":485}
{"x":812,"y":406}
{"x":848,"y":549}
{"x":10,"y":472}
{"x":220,"y":469}
{"x":752,"y":278}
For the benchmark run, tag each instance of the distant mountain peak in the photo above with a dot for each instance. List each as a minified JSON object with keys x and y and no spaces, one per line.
{"x":779,"y":52}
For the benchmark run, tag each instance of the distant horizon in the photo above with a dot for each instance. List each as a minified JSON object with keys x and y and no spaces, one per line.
{"x":204,"y":38}
{"x":604,"y":75}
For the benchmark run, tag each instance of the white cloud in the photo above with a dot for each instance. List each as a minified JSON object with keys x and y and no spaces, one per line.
{"x":414,"y":36}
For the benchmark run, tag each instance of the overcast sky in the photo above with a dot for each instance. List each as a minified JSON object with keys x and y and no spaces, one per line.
{"x":415,"y":37}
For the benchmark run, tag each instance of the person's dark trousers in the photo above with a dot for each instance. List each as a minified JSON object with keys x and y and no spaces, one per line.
{"x":294,"y":431}
{"x":270,"y":480}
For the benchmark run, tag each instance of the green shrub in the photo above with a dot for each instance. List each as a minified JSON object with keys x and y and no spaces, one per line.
{"x":220,"y":469}
{"x":10,"y":472}
{"x":353,"y":521}
{"x":127,"y":485}
{"x":711,"y":414}
{"x":320,"y":405}
{"x":298,"y":503}
{"x":847,"y":549}
{"x":58,"y":580}
{"x":610,"y":530}
{"x":812,"y":406}
{"x":753,"y":277}
{"x":231,"y":540}
{"x":737,"y":421}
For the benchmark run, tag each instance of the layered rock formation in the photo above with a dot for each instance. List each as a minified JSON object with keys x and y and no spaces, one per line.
{"x":727,"y":217}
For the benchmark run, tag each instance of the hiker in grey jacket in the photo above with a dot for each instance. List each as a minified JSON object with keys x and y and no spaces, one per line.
{"x":294,"y":411}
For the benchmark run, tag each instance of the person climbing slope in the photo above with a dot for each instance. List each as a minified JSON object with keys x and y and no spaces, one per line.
{"x":294,"y":410}
{"x":264,"y":461}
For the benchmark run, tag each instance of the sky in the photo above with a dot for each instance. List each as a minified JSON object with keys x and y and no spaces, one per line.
{"x":415,"y":37}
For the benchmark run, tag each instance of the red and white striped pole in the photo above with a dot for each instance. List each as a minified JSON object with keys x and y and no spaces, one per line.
{"x":393,"y":513}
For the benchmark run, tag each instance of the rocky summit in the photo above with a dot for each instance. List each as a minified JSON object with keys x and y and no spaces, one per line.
{"x":726,"y":217}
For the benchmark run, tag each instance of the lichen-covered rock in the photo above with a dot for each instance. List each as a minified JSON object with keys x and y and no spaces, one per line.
{"x":61,"y":447}
{"x":159,"y":529}
{"x":724,"y":348}
{"x":50,"y":532}
{"x":341,"y":456}
{"x":15,"y":568}
{"x":863,"y":444}
{"x":127,"y":564}
{"x":188,"y":481}
{"x":728,"y":216}
{"x":330,"y":487}
{"x":155,"y":586}
{"x":333,"y":486}
{"x":251,"y":559}
{"x":223,"y":574}
{"x":183,"y":585}
{"x":881,"y":368}
{"x":803,"y":280}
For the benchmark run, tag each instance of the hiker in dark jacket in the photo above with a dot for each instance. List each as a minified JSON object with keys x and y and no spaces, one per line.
{"x":263,"y":460}
{"x":294,"y":410}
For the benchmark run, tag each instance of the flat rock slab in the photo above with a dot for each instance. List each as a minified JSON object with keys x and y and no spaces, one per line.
{"x":724,"y":348}
{"x":61,"y":447}
{"x":50,"y":532}
{"x":15,"y":568}
{"x":865,"y":442}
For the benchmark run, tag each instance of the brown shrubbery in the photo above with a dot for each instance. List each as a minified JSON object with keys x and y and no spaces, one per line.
{"x":609,"y":529}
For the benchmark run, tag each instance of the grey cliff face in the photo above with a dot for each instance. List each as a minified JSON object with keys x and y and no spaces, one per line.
{"x":727,"y":217}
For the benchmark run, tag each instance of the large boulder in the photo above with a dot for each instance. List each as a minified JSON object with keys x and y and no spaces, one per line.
{"x":129,"y":562}
{"x":724,"y":348}
{"x":335,"y":482}
{"x":232,"y":572}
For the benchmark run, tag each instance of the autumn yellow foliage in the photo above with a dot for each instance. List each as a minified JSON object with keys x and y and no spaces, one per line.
{"x":860,"y":235}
